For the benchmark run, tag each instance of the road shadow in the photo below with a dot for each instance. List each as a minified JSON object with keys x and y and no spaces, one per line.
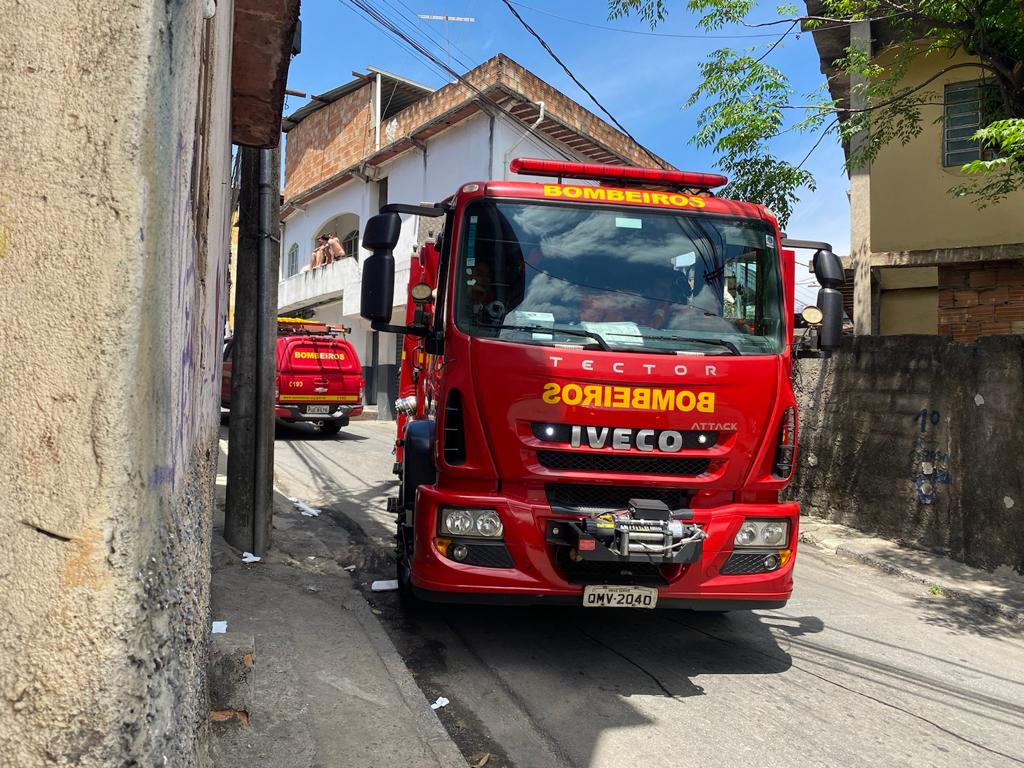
{"x":963,"y":617}
{"x":288,"y":432}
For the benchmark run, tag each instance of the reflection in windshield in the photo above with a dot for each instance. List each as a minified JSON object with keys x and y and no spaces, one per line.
{"x":635,"y":279}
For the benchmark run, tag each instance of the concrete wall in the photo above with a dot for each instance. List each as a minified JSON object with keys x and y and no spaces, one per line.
{"x":918,"y":439}
{"x":112,"y":262}
{"x":911,"y":208}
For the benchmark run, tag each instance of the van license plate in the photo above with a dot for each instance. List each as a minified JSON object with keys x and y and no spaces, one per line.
{"x":318,"y":409}
{"x":601,"y":596}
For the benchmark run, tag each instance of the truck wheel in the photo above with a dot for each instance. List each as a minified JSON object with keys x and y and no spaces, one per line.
{"x":403,"y":568}
{"x":330,"y":427}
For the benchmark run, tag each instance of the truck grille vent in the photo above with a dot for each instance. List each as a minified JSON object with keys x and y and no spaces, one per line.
{"x":489,"y":555}
{"x":587,"y":498}
{"x":745,"y":562}
{"x":577,"y":461}
{"x":454,"y":433}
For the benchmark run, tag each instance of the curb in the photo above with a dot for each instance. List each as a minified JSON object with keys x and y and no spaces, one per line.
{"x":426,"y":720}
{"x":992,"y":607}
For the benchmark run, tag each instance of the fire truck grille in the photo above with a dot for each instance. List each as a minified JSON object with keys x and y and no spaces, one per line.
{"x":488,"y":555}
{"x":745,"y":562}
{"x":591,"y":572}
{"x":587,"y":498}
{"x":577,"y":461}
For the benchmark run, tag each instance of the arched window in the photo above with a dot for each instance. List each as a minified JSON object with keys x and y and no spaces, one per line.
{"x":346,"y":227}
{"x":351,"y":244}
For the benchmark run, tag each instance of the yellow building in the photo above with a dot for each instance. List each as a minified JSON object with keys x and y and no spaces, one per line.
{"x":923,"y":260}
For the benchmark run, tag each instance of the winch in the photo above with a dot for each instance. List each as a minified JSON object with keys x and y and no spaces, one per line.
{"x":647,"y":530}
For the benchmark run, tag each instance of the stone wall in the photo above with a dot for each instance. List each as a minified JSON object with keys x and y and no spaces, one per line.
{"x":115,"y":146}
{"x":918,"y":439}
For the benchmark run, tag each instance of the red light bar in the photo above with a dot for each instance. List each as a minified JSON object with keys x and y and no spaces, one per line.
{"x":535,"y":167}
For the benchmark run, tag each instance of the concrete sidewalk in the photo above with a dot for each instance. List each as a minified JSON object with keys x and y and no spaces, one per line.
{"x":329,"y":686}
{"x":1001,"y":594}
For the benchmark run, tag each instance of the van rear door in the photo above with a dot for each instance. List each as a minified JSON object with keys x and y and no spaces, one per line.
{"x":318,"y":373}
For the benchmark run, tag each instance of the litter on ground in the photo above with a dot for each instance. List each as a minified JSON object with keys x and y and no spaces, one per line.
{"x":387,"y":585}
{"x":305,"y":509}
{"x":249,"y":557}
{"x":219,"y":628}
{"x":441,"y":702}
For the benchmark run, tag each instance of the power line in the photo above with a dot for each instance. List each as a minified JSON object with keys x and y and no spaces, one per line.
{"x":576,"y":80}
{"x":486,"y":102}
{"x":642,"y":32}
{"x":425,"y":35}
{"x":433,"y":36}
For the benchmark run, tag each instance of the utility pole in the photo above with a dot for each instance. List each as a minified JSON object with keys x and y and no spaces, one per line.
{"x":446,"y":19}
{"x":250,"y":489}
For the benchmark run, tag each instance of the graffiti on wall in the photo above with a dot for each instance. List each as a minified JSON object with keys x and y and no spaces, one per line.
{"x":929,"y":464}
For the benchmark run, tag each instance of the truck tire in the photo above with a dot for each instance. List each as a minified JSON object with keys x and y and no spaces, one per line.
{"x":403,"y":568}
{"x":417,"y":470}
{"x":330,"y":427}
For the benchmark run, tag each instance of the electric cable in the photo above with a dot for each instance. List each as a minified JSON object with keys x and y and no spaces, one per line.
{"x":644,"y":32}
{"x":434,"y":63}
{"x":569,"y":72}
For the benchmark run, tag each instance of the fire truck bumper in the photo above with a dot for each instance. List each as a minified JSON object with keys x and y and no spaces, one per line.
{"x":530,"y":564}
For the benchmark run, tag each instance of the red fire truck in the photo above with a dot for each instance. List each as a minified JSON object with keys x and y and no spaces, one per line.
{"x":595,"y":391}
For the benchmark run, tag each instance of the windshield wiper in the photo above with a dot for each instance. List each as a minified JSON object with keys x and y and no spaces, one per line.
{"x":567,"y":331}
{"x":733,"y":349}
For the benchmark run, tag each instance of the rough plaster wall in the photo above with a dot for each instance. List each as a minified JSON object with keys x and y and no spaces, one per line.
{"x":110,"y":306}
{"x":918,"y":439}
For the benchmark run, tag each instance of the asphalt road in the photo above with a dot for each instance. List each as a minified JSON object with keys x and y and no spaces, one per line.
{"x":859,"y":669}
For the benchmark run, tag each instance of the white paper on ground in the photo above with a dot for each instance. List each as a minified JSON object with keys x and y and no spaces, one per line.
{"x":387,"y":585}
{"x":305,"y":509}
{"x":441,"y":702}
{"x":249,"y":557}
{"x":219,"y":628}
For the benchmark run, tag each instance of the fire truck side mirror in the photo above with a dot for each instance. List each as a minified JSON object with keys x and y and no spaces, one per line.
{"x":378,"y":289}
{"x":828,"y":269}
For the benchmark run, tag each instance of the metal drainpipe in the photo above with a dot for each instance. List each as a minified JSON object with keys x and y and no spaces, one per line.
{"x":266,"y":364}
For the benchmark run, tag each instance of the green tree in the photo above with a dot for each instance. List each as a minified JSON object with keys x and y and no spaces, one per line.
{"x":746,"y":102}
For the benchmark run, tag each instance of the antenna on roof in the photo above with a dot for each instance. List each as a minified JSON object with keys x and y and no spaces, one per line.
{"x":446,"y":19}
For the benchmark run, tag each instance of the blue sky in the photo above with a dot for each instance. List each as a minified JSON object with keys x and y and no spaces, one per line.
{"x":644,"y":80}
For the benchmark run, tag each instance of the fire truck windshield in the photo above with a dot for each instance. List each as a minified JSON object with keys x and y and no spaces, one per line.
{"x":629,"y":279}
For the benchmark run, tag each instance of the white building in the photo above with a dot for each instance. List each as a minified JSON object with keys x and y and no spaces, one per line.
{"x":383,"y":139}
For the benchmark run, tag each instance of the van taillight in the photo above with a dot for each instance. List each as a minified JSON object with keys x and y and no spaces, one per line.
{"x":782,"y":468}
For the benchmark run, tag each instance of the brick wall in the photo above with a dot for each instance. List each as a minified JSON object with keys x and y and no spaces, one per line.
{"x":340,"y":135}
{"x":330,"y":140}
{"x":981,"y":299}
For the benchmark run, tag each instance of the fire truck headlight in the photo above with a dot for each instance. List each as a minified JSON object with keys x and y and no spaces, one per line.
{"x":747,"y":535}
{"x":489,"y":524}
{"x":775,"y":534}
{"x":457,"y":522}
{"x":763,"y":533}
{"x":479,"y":523}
